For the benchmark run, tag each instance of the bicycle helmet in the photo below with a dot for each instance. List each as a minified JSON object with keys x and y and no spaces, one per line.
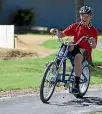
{"x":86,"y":10}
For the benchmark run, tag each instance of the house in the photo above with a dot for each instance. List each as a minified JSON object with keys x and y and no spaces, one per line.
{"x":51,"y":13}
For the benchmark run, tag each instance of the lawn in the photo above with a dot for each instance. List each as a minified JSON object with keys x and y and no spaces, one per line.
{"x":100,"y":37}
{"x":96,"y":113}
{"x":23,"y":73}
{"x":27,"y":73}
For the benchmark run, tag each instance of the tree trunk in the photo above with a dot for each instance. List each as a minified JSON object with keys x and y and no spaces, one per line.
{"x":78,"y":5}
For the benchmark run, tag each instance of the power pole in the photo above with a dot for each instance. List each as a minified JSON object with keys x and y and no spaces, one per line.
{"x":78,"y":5}
{"x":1,"y":3}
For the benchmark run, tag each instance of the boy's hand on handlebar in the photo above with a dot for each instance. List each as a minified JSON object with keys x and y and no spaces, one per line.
{"x":92,"y":42}
{"x":91,"y":39}
{"x":58,"y":33}
{"x":53,"y":31}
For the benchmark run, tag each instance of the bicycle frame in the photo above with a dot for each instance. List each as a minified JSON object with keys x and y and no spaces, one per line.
{"x":66,"y":56}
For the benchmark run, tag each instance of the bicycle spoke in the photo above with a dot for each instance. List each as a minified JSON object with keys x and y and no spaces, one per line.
{"x":84,"y":85}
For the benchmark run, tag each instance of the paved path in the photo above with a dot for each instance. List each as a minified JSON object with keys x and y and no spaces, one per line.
{"x":60,"y":103}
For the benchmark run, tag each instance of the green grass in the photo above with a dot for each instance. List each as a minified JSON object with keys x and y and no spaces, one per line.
{"x":53,"y":44}
{"x":96,"y":73}
{"x":96,"y":113}
{"x":24,"y":73}
{"x":27,"y":73}
{"x":100,"y":37}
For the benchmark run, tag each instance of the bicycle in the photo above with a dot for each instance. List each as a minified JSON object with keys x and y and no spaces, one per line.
{"x":54,"y":68}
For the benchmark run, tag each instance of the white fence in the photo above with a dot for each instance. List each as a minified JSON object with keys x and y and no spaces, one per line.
{"x":7,"y":36}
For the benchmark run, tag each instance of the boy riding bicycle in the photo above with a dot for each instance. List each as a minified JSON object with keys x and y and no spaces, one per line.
{"x":83,"y":28}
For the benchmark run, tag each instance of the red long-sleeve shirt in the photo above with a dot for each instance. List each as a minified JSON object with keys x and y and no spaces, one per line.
{"x":78,"y":31}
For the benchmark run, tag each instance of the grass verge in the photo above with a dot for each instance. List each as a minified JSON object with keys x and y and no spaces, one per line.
{"x":27,"y":73}
{"x":96,"y":113}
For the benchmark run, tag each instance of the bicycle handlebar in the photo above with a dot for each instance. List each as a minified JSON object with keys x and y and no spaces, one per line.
{"x":89,"y":39}
{"x":55,"y":31}
{"x":83,"y":37}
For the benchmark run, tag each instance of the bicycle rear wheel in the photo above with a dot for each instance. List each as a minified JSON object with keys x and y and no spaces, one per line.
{"x":48,"y":82}
{"x":83,"y":86}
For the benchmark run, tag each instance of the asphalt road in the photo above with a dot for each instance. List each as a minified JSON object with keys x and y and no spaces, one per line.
{"x":60,"y":103}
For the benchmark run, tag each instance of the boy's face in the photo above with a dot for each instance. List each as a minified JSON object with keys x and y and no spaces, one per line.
{"x":85,"y":18}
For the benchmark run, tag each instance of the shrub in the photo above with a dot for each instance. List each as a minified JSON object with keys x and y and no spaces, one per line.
{"x":22,"y":17}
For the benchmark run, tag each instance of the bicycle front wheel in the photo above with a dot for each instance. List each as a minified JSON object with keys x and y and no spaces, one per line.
{"x":48,"y":82}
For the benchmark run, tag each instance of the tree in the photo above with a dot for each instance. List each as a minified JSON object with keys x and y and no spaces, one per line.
{"x":78,"y":5}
